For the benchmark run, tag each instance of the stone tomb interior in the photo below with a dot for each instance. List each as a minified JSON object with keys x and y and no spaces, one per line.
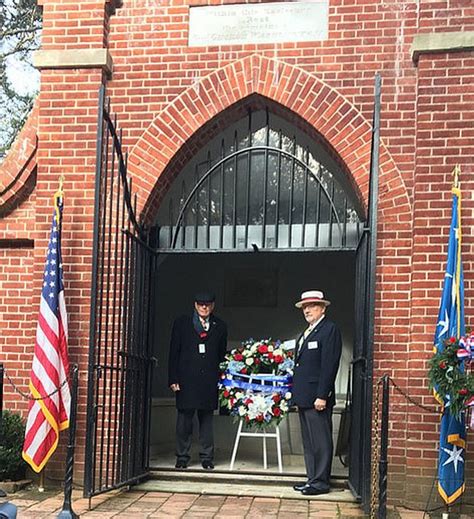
{"x":255,"y":296}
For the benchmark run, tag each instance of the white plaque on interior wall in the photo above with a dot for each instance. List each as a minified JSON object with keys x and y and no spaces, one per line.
{"x":273,"y":22}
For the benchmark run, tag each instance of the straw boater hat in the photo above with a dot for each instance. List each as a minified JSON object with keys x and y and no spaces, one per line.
{"x":312,"y":296}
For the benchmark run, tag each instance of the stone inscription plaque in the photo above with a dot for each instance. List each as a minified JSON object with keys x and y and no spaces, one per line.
{"x":274,"y":22}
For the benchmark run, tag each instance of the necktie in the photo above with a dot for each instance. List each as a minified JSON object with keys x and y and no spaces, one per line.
{"x":205,"y":325}
{"x":303,"y":337}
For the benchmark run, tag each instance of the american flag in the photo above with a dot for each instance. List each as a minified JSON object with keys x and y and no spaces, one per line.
{"x":49,"y":413}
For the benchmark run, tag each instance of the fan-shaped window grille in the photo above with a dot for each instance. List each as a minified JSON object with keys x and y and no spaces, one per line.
{"x":261,"y":183}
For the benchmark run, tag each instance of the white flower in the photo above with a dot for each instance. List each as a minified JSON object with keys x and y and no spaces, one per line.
{"x":270,"y":348}
{"x":249,"y":361}
{"x":287,"y":395}
{"x":253,"y":349}
{"x":278,"y":352}
{"x":242,"y":410}
{"x":239,"y":395}
{"x":283,"y":406}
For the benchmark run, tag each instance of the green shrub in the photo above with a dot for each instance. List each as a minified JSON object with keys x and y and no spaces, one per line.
{"x":12,"y":434}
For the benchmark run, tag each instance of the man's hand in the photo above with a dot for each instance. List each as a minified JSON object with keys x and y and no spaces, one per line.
{"x":175,"y":387}
{"x":319,"y":404}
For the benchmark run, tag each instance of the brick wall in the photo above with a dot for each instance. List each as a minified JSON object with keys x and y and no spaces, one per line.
{"x":170,"y":98}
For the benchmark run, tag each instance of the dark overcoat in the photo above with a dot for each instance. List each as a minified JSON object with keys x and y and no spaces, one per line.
{"x":316,"y":365}
{"x":196,"y":373}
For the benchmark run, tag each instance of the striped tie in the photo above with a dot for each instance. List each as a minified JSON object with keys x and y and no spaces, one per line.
{"x":303,"y":337}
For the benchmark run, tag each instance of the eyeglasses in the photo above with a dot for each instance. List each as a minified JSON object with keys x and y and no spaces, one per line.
{"x":203,"y":304}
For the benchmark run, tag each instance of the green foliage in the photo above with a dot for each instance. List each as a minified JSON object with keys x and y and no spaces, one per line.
{"x":449,"y":380}
{"x":20,"y":25}
{"x":12,"y":434}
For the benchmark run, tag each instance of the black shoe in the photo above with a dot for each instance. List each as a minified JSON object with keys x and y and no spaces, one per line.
{"x":299,"y":486}
{"x":208,"y":465}
{"x":181,"y":465}
{"x":311,"y":491}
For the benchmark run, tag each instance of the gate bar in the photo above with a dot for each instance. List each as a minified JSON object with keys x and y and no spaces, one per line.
{"x":371,"y":280}
{"x":383,"y":461}
{"x":89,"y":462}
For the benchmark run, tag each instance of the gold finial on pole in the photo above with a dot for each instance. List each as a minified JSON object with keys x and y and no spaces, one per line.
{"x":456,"y":173}
{"x":59,"y":195}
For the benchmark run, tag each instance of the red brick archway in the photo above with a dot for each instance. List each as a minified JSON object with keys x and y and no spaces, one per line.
{"x":338,"y":122}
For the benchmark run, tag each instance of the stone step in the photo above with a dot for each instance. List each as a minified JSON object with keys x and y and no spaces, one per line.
{"x":231,"y":484}
{"x":268,"y":477}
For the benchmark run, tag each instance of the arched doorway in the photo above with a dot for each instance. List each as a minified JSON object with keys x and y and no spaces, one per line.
{"x":258,"y":214}
{"x":128,"y":257}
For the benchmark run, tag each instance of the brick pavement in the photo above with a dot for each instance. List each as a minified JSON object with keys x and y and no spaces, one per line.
{"x":136,"y":504}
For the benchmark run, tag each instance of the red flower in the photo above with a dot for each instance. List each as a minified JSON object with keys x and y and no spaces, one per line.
{"x":244,"y":371}
{"x":270,"y":354}
{"x":226,"y":393}
{"x":278,"y":359}
{"x":442,"y":364}
{"x":238,"y":356}
{"x":452,"y":340}
{"x":260,"y":418}
{"x":276,"y":411}
{"x":248,"y":401}
{"x":463,"y":391}
{"x":276,"y":398}
{"x":247,"y":418}
{"x":263,"y":348}
{"x":256,"y":361}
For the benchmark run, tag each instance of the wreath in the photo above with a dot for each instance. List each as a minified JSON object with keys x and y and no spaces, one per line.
{"x":255,"y":384}
{"x":450,"y":374}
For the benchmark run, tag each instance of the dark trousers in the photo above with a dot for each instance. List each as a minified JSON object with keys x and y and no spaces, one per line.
{"x":316,"y":432}
{"x":184,"y":434}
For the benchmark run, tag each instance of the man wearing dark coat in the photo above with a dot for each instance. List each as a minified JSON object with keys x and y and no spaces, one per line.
{"x":198,"y":346}
{"x":317,"y":356}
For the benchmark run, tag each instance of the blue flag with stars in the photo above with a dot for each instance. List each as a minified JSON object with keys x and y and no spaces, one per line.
{"x":451,"y":324}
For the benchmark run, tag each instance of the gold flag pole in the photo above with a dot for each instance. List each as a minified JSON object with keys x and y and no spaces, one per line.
{"x":59,"y":195}
{"x":456,"y":174}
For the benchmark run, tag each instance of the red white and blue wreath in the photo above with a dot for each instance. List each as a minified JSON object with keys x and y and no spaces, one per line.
{"x":255,"y":384}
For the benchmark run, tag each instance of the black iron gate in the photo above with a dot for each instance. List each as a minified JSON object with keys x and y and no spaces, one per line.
{"x":362,"y":362}
{"x":118,"y":407}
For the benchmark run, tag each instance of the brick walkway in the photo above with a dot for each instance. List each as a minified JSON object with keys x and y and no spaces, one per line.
{"x":132,"y":504}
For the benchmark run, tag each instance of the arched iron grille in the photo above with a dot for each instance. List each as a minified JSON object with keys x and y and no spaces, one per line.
{"x":265,"y":189}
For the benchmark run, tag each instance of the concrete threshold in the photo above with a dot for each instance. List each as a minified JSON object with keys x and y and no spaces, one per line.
{"x":231,"y":484}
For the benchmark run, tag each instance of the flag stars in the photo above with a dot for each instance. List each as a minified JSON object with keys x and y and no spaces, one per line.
{"x":454,"y":457}
{"x":444,"y":324}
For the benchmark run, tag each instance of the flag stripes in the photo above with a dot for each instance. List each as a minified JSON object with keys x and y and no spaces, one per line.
{"x":50,"y":407}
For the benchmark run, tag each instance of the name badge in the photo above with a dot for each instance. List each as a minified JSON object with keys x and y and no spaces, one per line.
{"x":202,"y":348}
{"x":312,"y":345}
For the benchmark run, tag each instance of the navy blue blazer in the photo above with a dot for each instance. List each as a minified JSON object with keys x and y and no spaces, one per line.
{"x":316,"y":365}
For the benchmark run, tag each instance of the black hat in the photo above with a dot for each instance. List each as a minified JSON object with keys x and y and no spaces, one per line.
{"x":204,"y":297}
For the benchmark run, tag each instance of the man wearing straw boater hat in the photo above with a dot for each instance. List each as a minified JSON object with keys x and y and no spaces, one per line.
{"x":317,"y":355}
{"x":198,"y":346}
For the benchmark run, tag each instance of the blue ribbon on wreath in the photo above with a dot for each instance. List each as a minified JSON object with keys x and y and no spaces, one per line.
{"x":269,"y":383}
